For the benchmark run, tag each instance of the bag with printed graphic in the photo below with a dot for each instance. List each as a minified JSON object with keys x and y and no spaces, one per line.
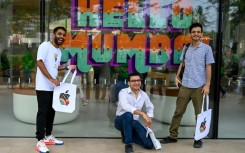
{"x":64,"y":97}
{"x":203,"y":120}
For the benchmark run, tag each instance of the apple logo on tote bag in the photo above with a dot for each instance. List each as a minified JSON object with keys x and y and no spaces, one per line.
{"x":64,"y":98}
{"x":203,"y":126}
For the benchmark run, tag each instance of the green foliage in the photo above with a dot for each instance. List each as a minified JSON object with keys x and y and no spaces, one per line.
{"x":60,"y":9}
{"x":200,"y":16}
{"x":5,"y":3}
{"x":4,"y":61}
{"x":15,"y":61}
{"x":27,"y":60}
{"x":238,"y":15}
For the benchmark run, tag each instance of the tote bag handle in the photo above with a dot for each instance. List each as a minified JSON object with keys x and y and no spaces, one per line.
{"x":73,"y":76}
{"x":207,"y":102}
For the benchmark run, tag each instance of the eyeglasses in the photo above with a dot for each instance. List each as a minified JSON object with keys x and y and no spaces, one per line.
{"x":134,"y":81}
{"x":198,"y":32}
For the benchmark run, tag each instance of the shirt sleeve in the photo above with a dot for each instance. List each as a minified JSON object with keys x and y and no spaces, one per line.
{"x":124,"y":103}
{"x":209,"y":56}
{"x":42,"y":51}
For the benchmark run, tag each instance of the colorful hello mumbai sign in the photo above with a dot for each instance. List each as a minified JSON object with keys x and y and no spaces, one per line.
{"x":140,"y":39}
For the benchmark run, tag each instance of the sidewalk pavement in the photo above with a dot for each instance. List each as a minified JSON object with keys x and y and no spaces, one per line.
{"x":91,"y":145}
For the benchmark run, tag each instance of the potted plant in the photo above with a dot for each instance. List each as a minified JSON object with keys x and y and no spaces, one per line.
{"x":28,"y":64}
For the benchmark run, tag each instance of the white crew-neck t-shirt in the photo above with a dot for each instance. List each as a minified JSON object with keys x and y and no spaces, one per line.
{"x":51,"y":57}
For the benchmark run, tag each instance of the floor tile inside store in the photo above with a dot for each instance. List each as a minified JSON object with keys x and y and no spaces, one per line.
{"x":96,"y":120}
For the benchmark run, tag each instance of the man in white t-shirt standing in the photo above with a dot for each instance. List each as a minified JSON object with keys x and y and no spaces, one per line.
{"x":48,"y":64}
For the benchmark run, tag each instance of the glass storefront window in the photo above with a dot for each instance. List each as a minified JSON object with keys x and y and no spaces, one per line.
{"x":146,"y":36}
{"x":231,"y":120}
{"x":105,"y":37}
{"x":19,"y":38}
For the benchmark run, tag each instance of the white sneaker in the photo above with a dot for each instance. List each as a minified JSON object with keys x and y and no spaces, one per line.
{"x":41,"y":147}
{"x":85,"y":103}
{"x":51,"y":140}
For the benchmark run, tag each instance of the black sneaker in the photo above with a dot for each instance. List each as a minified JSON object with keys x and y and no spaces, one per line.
{"x":168,"y":140}
{"x":129,"y":148}
{"x":197,"y":144}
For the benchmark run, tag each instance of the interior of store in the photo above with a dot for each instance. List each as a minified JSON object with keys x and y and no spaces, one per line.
{"x":96,"y":119}
{"x":21,"y":36}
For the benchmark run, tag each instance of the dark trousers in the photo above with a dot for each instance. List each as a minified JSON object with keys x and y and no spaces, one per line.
{"x":45,"y":114}
{"x":184,"y":97}
{"x":143,"y":85}
{"x":133,"y":131}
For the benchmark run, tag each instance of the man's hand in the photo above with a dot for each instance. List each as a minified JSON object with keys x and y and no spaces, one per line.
{"x":148,"y":120}
{"x":55,"y":81}
{"x":72,"y":67}
{"x":145,"y":116}
{"x":177,"y":82}
{"x":205,"y":90}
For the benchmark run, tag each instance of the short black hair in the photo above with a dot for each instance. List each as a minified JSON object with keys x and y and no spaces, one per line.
{"x":194,"y":25}
{"x":57,"y":28}
{"x":134,"y":74}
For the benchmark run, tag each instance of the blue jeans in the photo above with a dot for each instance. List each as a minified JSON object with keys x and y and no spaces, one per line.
{"x":133,"y":131}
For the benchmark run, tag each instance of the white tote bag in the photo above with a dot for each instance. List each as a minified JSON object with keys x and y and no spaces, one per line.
{"x":203,"y":120}
{"x":155,"y":142}
{"x":64,"y":98}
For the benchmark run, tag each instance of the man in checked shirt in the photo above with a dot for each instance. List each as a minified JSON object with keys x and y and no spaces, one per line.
{"x":195,"y":82}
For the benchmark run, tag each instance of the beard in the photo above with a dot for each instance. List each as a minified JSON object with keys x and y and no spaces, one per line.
{"x":57,"y":42}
